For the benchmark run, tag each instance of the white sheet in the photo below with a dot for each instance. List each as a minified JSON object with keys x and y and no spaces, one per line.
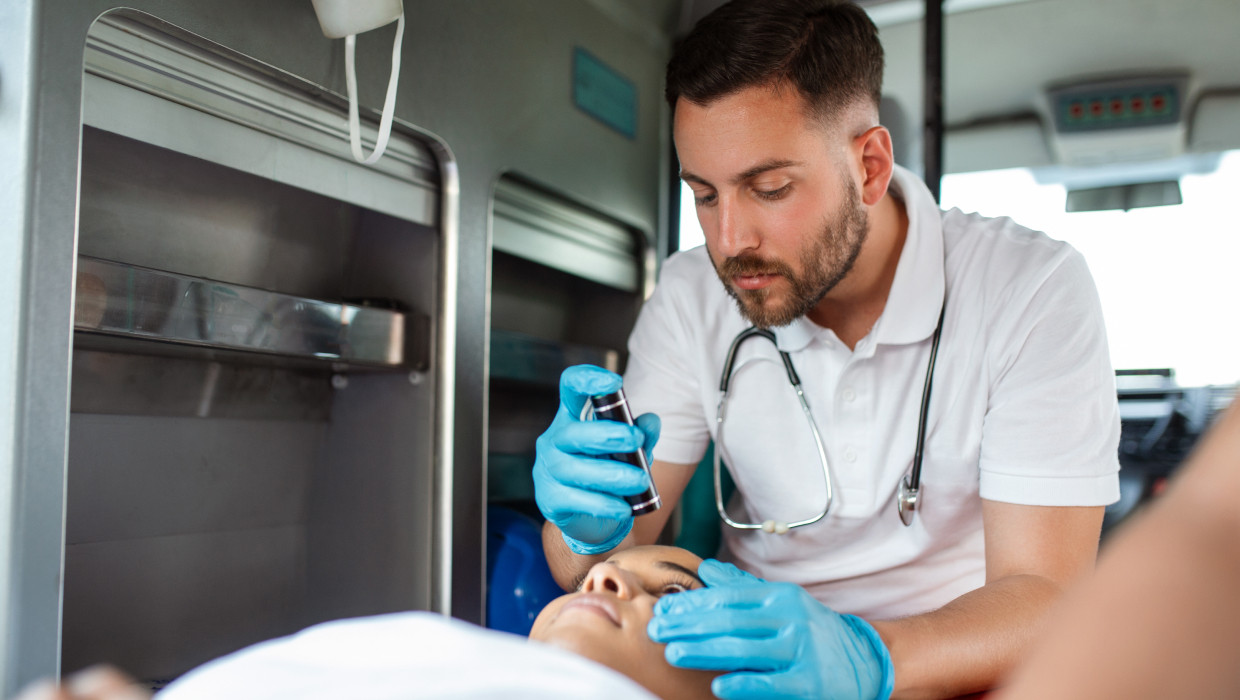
{"x":398,"y":657}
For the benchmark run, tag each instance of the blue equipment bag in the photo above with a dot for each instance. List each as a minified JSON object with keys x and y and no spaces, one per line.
{"x":519,"y":582}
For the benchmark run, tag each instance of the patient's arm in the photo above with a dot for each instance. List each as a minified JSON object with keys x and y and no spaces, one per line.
{"x":1161,"y":617}
{"x":94,"y":683}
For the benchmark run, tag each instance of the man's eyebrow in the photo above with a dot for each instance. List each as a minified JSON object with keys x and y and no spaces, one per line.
{"x":690,"y":177}
{"x":673,"y":566}
{"x":765,"y":166}
{"x":762,"y":168}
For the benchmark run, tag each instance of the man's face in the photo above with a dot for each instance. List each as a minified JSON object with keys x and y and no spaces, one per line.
{"x":606,"y":619}
{"x":781,"y":213}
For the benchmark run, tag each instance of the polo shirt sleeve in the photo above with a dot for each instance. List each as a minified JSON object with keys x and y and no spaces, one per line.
{"x":662,"y":376}
{"x":1051,"y":430}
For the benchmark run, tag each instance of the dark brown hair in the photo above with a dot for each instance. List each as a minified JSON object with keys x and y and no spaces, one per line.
{"x":827,"y":49}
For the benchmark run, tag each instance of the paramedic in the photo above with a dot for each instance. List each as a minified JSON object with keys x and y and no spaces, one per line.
{"x":813,"y":232}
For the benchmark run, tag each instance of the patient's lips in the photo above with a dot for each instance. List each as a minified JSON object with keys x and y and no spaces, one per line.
{"x":594,"y":603}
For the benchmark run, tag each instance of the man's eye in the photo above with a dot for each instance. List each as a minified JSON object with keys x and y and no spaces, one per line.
{"x":673,"y":588}
{"x":705,"y":200}
{"x":774,"y":194}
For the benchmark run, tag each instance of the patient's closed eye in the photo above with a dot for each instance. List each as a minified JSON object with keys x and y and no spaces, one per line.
{"x":674,"y":587}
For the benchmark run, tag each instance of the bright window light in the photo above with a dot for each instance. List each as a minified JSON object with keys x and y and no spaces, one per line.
{"x":690,"y":230}
{"x":1166,"y":275}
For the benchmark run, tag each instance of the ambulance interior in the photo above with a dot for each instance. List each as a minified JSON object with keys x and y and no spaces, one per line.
{"x":257,"y":384}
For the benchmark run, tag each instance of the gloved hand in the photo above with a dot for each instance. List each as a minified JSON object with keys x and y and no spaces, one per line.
{"x":778,"y":641}
{"x":576,"y":487}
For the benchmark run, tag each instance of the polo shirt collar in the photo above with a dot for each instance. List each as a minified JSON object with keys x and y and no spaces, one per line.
{"x":916,"y":296}
{"x":797,"y":335}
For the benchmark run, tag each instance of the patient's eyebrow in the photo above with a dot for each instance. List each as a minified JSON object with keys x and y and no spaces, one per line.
{"x":580,"y":580}
{"x":673,"y":566}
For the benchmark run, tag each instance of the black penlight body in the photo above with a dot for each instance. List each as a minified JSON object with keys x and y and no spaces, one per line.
{"x":615,"y":407}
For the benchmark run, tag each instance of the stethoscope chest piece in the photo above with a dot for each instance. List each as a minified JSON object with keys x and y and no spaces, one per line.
{"x":906,"y":500}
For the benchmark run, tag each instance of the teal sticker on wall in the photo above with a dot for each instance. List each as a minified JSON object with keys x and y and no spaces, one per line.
{"x":604,"y":94}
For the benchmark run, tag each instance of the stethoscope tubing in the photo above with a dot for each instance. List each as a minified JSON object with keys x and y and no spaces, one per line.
{"x":915,"y":475}
{"x":908,"y":491}
{"x":772,"y":526}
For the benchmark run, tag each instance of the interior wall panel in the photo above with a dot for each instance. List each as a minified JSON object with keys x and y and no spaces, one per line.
{"x":492,"y":78}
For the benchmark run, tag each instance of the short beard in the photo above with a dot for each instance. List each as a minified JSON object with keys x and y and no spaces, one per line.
{"x":827,"y":260}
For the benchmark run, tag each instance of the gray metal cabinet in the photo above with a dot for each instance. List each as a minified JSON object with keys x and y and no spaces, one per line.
{"x":257,"y":434}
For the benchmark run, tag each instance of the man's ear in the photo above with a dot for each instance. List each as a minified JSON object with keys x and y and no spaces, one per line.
{"x":873,"y":149}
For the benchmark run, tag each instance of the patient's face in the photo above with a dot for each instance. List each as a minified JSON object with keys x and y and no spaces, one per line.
{"x":605,"y":620}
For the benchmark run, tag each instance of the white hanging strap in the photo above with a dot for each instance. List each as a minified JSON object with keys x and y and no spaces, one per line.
{"x":389,"y":104}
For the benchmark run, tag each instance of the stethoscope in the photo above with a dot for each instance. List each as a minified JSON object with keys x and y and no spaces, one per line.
{"x":907,"y":497}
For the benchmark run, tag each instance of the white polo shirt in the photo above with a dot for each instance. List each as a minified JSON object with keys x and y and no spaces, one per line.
{"x":1023,"y":408}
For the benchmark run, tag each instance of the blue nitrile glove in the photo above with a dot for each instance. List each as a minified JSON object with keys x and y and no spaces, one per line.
{"x":576,"y":487}
{"x":778,"y":641}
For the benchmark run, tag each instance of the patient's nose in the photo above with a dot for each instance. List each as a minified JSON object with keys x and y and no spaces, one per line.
{"x":609,"y":578}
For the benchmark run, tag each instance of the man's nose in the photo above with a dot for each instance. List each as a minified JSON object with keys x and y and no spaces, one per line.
{"x":609,"y":578}
{"x":733,"y":229}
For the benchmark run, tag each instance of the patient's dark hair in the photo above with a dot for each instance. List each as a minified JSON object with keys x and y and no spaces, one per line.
{"x":828,"y":49}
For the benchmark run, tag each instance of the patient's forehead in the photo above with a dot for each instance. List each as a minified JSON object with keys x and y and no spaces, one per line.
{"x":648,"y":556}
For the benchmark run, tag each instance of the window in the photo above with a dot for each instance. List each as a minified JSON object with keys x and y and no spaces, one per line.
{"x":690,"y":230}
{"x":1166,"y":275}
